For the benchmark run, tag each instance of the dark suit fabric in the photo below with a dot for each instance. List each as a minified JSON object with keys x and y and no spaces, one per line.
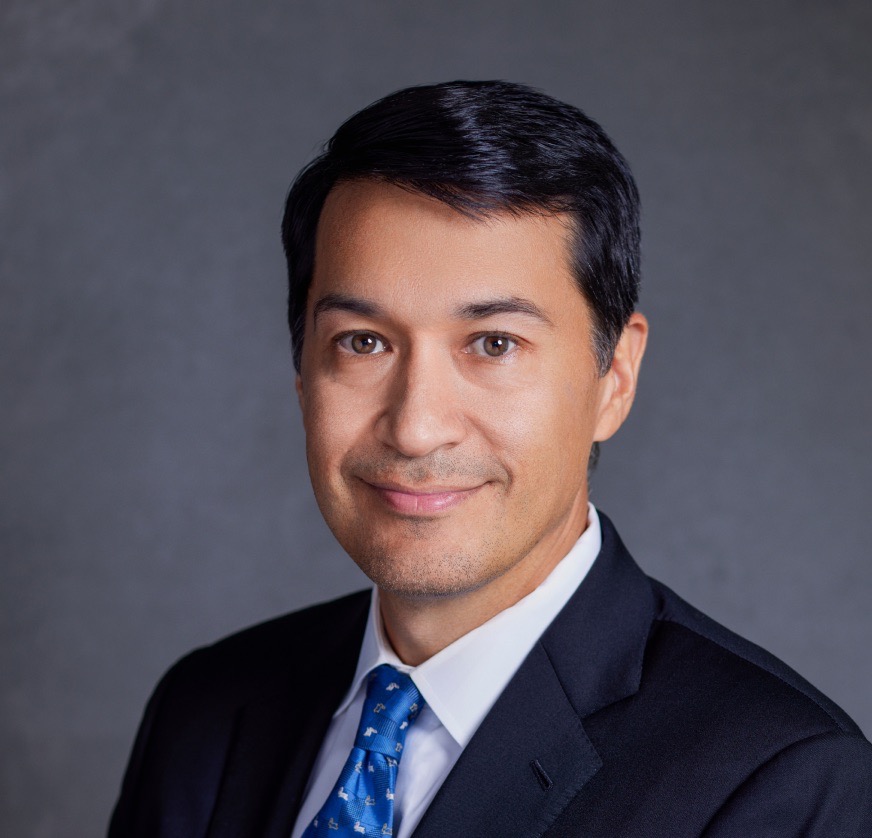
{"x":634,"y":715}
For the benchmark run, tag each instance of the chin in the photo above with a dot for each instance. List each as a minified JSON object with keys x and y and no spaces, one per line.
{"x":425,"y":574}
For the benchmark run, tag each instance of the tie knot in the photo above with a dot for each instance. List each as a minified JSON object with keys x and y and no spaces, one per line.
{"x":392,"y":703}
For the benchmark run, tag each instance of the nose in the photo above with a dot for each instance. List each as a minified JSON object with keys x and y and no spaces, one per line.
{"x":423,"y":412}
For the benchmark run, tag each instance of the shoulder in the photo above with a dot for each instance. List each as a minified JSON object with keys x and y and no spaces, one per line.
{"x":688,"y":665}
{"x":245,"y":683}
{"x":699,"y":654}
{"x":266,"y":656}
{"x":734,"y":716}
{"x":722,"y":735}
{"x":786,"y":759}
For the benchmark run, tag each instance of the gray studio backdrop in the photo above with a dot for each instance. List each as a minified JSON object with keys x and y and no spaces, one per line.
{"x":154,"y":488}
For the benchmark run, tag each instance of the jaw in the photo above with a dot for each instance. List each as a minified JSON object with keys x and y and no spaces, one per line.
{"x":484,"y":543}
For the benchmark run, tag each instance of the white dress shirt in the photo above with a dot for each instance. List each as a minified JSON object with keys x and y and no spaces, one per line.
{"x":460,"y":685}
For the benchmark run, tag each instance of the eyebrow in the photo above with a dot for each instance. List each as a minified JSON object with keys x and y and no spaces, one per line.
{"x":346,"y":302}
{"x":501,"y":305}
{"x":468,"y":311}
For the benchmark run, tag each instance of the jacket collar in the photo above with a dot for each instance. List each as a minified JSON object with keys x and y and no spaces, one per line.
{"x":531,"y":755}
{"x":596,"y":644}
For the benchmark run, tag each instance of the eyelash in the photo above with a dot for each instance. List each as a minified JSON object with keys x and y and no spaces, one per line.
{"x":341,"y":339}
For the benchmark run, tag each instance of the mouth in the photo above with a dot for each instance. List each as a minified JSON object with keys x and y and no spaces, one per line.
{"x":420,"y":501}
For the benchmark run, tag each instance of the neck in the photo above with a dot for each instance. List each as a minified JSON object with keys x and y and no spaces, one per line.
{"x":418,"y":627}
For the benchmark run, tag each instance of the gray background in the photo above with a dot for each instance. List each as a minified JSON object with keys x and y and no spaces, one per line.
{"x":154,"y":491}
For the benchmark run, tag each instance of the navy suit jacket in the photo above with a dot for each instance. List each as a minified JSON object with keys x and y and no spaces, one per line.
{"x":634,"y":715}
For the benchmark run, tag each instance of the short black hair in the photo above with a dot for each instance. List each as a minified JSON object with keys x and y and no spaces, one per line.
{"x":485,"y":147}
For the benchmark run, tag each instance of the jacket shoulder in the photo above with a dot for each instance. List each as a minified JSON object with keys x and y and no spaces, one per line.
{"x":194,"y":718}
{"x":265,"y":656}
{"x":758,"y":685}
{"x":720,"y":736}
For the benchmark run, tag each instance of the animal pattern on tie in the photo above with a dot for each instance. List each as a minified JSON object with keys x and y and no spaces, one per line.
{"x":362,"y":801}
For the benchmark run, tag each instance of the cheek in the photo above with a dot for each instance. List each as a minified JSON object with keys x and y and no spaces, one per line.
{"x":325,"y":427}
{"x":540,"y":433}
{"x":332,"y":422}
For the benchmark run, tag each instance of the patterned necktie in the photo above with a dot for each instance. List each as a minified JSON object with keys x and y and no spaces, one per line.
{"x":362,"y":801}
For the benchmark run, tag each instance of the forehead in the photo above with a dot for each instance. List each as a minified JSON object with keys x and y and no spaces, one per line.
{"x":379,"y":239}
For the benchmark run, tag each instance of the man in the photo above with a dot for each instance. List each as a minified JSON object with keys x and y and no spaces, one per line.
{"x":464,"y":265}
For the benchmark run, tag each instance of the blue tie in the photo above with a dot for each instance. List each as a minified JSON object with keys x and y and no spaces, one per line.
{"x":362,"y":801}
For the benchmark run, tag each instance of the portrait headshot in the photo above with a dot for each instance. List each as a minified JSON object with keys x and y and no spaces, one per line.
{"x":469,"y":437}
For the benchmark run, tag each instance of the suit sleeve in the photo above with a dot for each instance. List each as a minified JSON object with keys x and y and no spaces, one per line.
{"x":816,"y":788}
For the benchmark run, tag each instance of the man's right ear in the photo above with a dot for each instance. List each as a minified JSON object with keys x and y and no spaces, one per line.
{"x":298,"y":384}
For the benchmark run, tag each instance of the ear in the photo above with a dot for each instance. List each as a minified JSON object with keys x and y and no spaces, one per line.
{"x":618,"y":385}
{"x":298,"y":385}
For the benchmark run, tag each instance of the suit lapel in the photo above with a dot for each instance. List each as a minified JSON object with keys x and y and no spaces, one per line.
{"x":531,"y":755}
{"x":277,"y":736}
{"x":528,"y":759}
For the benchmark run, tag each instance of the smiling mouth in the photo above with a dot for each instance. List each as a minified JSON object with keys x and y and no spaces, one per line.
{"x":416,"y":501}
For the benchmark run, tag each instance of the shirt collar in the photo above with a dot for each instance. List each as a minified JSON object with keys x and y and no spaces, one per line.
{"x":461,"y":683}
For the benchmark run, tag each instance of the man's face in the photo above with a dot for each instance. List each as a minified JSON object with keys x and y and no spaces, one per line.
{"x":449,"y":391}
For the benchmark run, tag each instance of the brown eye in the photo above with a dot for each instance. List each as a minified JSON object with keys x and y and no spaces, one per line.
{"x":494,"y":346}
{"x":362,"y":343}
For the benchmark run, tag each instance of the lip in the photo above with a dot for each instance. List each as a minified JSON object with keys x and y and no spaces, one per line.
{"x":417,"y":501}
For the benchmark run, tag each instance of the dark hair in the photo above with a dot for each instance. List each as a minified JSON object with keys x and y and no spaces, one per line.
{"x":484,"y":147}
